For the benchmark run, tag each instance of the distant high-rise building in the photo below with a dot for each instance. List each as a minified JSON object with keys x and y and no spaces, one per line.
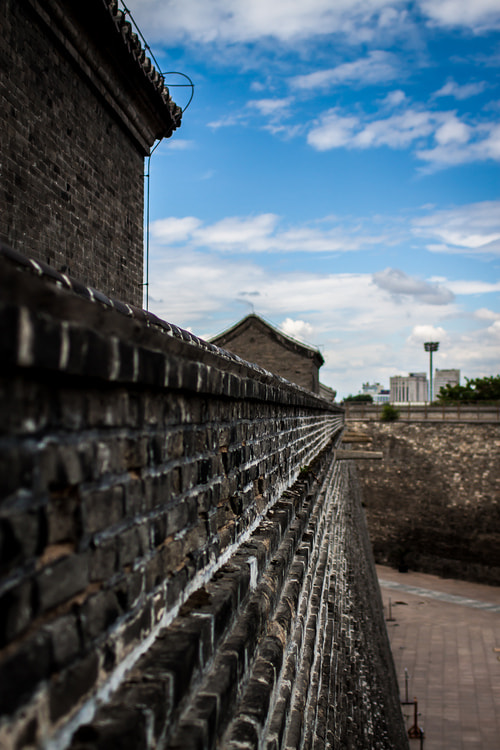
{"x":377,"y":392}
{"x":411,"y":388}
{"x":445,"y":377}
{"x":372,"y":388}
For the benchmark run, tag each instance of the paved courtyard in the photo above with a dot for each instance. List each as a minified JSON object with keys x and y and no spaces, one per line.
{"x":446,"y":634}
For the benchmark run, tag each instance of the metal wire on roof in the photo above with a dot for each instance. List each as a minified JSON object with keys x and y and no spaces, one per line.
{"x":190,"y":83}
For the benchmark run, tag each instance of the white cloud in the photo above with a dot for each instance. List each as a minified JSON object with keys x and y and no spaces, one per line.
{"x":457,"y":91}
{"x":441,"y":139}
{"x":472,"y":229}
{"x":483,"y":144}
{"x":270,"y":107}
{"x":239,"y":21}
{"x":422,"y":333}
{"x":346,"y":302}
{"x":493,"y":331}
{"x":274,"y":109}
{"x":178,"y":144}
{"x":394,"y":99}
{"x":484,"y":314}
{"x":480,"y":15}
{"x":452,"y":132}
{"x":398,"y":131}
{"x":377,"y":67}
{"x":233,"y":233}
{"x":264,"y":233}
{"x":227,"y":121}
{"x":297,"y":329}
{"x":333,"y":131}
{"x":399,"y":284}
{"x":364,"y":333}
{"x":173,"y":230}
{"x":474,"y":286}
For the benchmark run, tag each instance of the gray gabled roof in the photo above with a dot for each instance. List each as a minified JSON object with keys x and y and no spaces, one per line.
{"x":288,"y":342}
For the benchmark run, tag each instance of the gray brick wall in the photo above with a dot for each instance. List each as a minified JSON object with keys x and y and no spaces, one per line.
{"x":256,"y":345}
{"x":181,"y":554}
{"x":75,"y":128}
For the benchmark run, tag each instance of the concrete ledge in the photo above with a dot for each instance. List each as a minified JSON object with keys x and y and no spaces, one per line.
{"x":347,"y":455}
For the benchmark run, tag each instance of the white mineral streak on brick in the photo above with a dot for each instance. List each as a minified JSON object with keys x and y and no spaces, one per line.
{"x":135,"y":373}
{"x":159,"y":596}
{"x":64,"y":353}
{"x":254,"y":571}
{"x":210,"y":617}
{"x":36,"y":266}
{"x":304,"y":691}
{"x":25,"y":355}
{"x":61,"y":739}
{"x":115,"y":358}
{"x":150,"y":721}
{"x":66,"y":279}
{"x":316,"y":441}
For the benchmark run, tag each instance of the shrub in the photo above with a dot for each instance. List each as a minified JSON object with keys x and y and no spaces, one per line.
{"x":389,"y":413}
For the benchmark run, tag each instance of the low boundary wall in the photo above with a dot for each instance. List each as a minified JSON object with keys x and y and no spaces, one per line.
{"x":183,"y":562}
{"x":437,"y":413}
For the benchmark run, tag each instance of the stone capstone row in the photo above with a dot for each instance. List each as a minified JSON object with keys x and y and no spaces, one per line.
{"x":300,"y":657}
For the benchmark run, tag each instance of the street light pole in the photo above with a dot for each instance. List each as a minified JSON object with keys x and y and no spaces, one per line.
{"x":431,"y":346}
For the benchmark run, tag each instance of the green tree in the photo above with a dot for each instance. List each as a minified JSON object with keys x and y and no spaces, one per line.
{"x":361,"y":398}
{"x":478,"y":389}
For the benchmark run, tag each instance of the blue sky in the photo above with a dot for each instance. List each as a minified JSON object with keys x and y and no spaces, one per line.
{"x":337,"y":172}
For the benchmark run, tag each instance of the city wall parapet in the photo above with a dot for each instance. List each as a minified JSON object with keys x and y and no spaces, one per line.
{"x":184,"y":563}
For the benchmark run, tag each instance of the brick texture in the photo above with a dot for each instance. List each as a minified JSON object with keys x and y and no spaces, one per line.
{"x":181,"y":554}
{"x":76,"y":124}
{"x":256,"y":341}
{"x":433,"y":503}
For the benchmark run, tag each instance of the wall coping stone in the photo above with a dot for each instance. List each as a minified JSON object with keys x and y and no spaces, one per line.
{"x":121,"y":342}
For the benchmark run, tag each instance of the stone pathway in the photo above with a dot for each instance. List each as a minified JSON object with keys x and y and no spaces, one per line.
{"x":447,"y":635}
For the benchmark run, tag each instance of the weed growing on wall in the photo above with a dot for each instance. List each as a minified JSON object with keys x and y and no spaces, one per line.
{"x":389,"y":413}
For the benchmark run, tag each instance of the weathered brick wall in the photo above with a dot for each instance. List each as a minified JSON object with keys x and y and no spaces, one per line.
{"x":255,"y":345}
{"x":183,"y":563}
{"x":76,"y":120}
{"x":433,"y":503}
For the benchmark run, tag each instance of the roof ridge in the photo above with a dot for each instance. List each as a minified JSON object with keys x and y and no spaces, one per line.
{"x":273,"y":328}
{"x":138,"y":52}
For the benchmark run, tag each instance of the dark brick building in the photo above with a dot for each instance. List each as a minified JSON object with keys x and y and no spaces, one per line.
{"x":80,"y":107}
{"x":255,"y":340}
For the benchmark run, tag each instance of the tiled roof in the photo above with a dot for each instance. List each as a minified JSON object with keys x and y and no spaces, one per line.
{"x":137,"y":51}
{"x":252,"y":319}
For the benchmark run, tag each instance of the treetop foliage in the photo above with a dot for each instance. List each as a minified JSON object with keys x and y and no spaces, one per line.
{"x":478,"y":389}
{"x":363,"y":398}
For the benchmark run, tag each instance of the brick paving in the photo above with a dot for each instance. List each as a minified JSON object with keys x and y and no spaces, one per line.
{"x":446,"y":634}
